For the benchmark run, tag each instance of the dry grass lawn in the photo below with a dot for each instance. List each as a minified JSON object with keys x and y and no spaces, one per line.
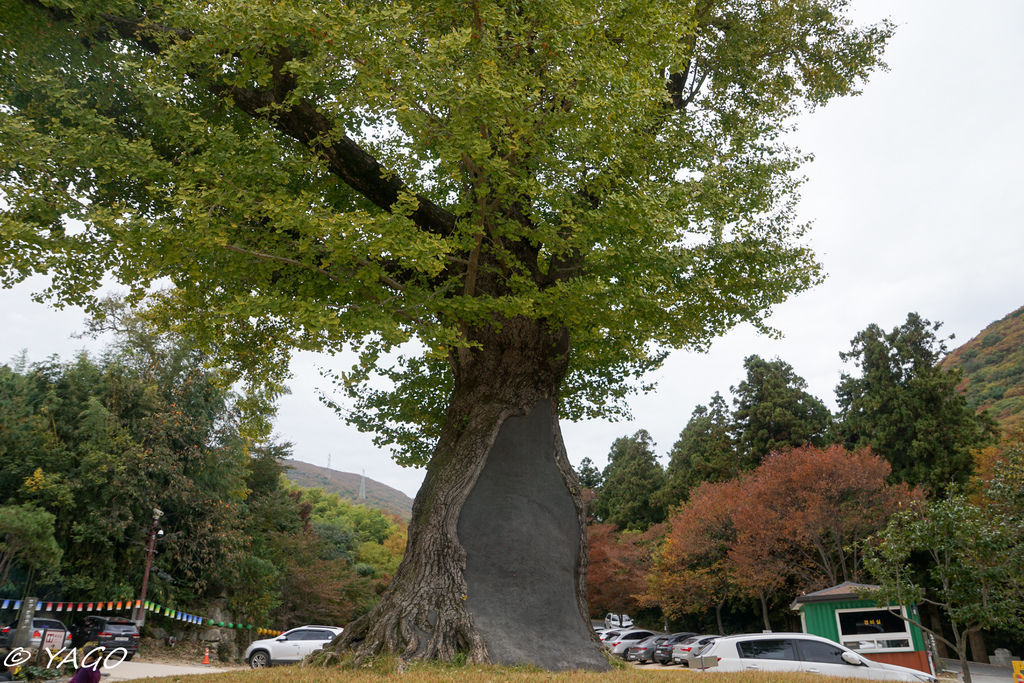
{"x":489,"y":674}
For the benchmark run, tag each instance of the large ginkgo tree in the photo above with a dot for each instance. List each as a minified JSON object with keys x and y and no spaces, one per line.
{"x":510,"y":209}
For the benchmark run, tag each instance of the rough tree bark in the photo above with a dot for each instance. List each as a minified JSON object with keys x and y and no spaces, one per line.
{"x":495,"y":563}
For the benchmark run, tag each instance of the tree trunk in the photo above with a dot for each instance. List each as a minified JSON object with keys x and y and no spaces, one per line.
{"x":965,"y":667}
{"x":764,"y":611}
{"x":979,"y":652}
{"x":935,"y":624}
{"x":496,"y":557}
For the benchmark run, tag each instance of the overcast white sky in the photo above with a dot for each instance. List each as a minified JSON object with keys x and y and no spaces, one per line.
{"x":916,"y":195}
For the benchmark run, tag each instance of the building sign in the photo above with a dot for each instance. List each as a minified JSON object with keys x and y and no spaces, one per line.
{"x":874,"y":630}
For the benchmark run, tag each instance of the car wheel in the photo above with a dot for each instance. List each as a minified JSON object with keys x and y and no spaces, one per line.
{"x":259,"y":659}
{"x":128,"y":657}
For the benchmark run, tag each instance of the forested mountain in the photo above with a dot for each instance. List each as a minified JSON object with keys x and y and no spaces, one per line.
{"x":993,"y":367}
{"x":346,"y":485}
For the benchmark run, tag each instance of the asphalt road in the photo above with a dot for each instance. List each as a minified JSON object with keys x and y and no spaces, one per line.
{"x":980,"y":673}
{"x":128,"y":671}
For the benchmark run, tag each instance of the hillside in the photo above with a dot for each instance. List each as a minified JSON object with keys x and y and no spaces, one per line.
{"x":993,"y":366}
{"x":346,"y":485}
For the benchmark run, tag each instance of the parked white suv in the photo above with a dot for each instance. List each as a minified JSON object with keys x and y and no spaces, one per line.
{"x":797,"y":652}
{"x":612,"y":620}
{"x":290,"y":646}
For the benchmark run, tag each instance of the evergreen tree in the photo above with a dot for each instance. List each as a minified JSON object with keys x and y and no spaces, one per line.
{"x":705,"y":451}
{"x":589,"y":475}
{"x":907,"y":408}
{"x":774,"y":411}
{"x":631,"y":481}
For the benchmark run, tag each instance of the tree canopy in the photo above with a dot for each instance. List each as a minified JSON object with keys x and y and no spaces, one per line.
{"x":705,"y":451}
{"x":791,"y":524}
{"x":26,"y":540}
{"x":372,"y":174}
{"x":616,"y":572}
{"x":970,"y":557}
{"x":91,"y":445}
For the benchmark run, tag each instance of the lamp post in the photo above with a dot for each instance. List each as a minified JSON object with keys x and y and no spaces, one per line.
{"x":140,"y":611}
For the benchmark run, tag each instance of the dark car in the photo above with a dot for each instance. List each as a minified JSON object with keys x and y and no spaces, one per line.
{"x":107,"y":632}
{"x":663,"y":653}
{"x":35,"y":636}
{"x":643,"y":652}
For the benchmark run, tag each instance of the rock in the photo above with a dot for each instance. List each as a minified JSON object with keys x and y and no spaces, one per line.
{"x":210,"y":635}
{"x":1002,"y":657}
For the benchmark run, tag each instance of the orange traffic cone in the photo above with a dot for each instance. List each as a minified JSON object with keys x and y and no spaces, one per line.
{"x":206,"y":657}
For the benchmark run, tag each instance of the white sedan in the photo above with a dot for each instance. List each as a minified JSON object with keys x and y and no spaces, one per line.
{"x":290,"y":646}
{"x":797,"y":652}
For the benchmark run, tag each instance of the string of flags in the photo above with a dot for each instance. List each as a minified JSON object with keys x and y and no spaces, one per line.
{"x":113,"y":605}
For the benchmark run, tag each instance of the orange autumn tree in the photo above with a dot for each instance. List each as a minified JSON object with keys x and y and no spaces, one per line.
{"x":993,"y":458}
{"x":692,"y":571}
{"x":790,"y":525}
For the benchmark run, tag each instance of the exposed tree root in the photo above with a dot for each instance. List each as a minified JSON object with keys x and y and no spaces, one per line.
{"x":425,"y":626}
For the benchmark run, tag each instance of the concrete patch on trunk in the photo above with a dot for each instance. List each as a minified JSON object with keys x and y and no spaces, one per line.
{"x":521,"y":534}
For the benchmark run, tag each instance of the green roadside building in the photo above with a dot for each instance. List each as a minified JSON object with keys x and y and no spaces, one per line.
{"x":846,"y":615}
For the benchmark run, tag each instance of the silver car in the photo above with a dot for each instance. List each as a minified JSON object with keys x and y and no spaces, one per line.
{"x":35,"y":636}
{"x":620,"y":621}
{"x":621,"y":642}
{"x":684,"y":652}
{"x":290,"y":646}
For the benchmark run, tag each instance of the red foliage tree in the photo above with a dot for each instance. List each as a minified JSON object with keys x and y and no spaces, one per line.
{"x":808,"y":506}
{"x":793,"y":522}
{"x":617,"y":570}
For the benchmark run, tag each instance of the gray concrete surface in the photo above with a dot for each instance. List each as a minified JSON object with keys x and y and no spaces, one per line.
{"x":521,"y":533}
{"x":129,"y":671}
{"x":980,"y":673}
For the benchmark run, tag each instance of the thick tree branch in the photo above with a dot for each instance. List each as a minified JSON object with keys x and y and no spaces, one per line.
{"x":300,"y":121}
{"x":345,"y":158}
